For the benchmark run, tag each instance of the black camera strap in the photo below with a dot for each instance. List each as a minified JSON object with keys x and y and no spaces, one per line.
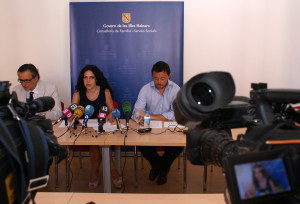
{"x":37,"y":154}
{"x":17,"y":167}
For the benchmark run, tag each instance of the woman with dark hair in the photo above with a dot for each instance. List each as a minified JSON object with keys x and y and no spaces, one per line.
{"x":93,"y":89}
{"x":263,"y":183}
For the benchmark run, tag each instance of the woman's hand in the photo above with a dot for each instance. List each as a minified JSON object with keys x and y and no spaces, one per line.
{"x":110,"y":118}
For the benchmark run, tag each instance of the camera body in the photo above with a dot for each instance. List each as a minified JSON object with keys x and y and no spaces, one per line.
{"x":27,"y":144}
{"x":207,"y":105}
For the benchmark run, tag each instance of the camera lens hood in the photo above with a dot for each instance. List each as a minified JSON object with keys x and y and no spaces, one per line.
{"x":203,"y":94}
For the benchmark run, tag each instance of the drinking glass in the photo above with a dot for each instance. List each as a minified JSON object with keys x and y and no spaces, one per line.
{"x":138,"y":116}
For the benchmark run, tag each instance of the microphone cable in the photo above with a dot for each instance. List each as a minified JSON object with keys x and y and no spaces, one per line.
{"x":123,"y":168}
{"x":64,"y":133}
{"x":176,"y":129}
{"x":125,"y":160}
{"x":78,"y":134}
{"x":70,"y":162}
{"x":69,"y":166}
{"x":70,"y":173}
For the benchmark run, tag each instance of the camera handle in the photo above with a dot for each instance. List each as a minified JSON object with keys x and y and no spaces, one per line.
{"x":16,"y":165}
{"x":35,"y":140}
{"x":13,"y":112}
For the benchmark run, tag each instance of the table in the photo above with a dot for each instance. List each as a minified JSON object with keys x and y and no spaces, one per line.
{"x":116,"y":198}
{"x":83,"y":139}
{"x":69,"y":139}
{"x":106,"y":140}
{"x":53,"y":197}
{"x":133,"y":138}
{"x":148,"y":139}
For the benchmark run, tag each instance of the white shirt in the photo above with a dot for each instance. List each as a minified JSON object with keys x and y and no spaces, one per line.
{"x":42,"y":89}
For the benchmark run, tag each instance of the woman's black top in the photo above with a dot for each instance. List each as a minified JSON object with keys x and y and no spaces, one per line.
{"x":100,"y":101}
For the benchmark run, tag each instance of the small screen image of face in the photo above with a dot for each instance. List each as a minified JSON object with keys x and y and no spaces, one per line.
{"x":261,"y":178}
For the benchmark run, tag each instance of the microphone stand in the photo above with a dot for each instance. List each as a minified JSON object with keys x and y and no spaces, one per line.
{"x":75,"y":124}
{"x":80,"y":132}
{"x":100,"y":128}
{"x":127,"y":124}
{"x":125,"y":135}
{"x":66,"y":121}
{"x":84,"y":129}
{"x":74,"y":127}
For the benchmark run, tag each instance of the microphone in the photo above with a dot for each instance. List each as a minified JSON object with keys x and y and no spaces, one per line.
{"x":67,"y":113}
{"x":88,"y":112}
{"x":41,"y":104}
{"x":116,"y":115}
{"x":78,"y":112}
{"x":103,"y":111}
{"x":126,"y":110}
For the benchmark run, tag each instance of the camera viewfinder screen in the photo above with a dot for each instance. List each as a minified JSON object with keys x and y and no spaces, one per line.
{"x":261,"y":178}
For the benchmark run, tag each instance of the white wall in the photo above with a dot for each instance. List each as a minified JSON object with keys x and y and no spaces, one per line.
{"x":37,"y":32}
{"x":255,"y":40}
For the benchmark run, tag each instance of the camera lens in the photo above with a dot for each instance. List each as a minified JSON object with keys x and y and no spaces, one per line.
{"x":203,"y":94}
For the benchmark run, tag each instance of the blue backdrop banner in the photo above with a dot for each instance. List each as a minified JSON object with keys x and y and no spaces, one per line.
{"x":125,"y":39}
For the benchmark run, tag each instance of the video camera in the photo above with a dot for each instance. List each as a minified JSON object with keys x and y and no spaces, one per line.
{"x":262,"y":165}
{"x":27,"y":144}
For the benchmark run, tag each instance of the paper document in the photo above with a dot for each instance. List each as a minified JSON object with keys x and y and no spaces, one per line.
{"x":93,"y":123}
{"x":154,"y":124}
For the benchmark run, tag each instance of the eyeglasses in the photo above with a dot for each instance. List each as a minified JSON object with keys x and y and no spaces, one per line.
{"x":25,"y":80}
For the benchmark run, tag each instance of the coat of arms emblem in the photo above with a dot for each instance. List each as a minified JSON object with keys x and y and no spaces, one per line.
{"x":126,"y":17}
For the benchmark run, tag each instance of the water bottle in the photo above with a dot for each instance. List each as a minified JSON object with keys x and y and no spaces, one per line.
{"x":147,"y":120}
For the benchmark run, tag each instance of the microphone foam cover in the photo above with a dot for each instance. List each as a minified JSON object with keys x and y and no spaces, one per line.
{"x":126,"y":107}
{"x":89,"y":110}
{"x":79,"y":111}
{"x":116,"y":113}
{"x":41,"y":104}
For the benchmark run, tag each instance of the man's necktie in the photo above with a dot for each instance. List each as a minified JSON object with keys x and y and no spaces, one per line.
{"x":31,"y":96}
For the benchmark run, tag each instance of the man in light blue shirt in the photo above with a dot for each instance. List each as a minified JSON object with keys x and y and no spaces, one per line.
{"x":158,"y":104}
{"x":157,"y":97}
